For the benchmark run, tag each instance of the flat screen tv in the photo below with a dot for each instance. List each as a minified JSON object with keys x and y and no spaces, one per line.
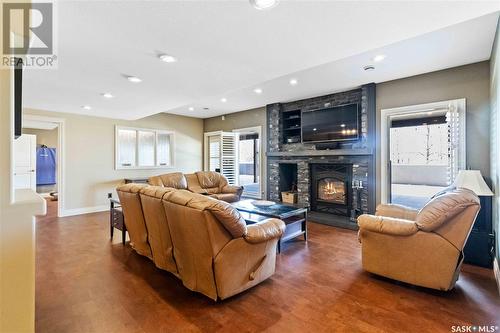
{"x":339,"y":123}
{"x":18,"y":98}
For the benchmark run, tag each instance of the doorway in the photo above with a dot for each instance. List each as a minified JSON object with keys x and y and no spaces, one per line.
{"x":423,"y":147}
{"x":48,"y":134}
{"x":249,"y":161}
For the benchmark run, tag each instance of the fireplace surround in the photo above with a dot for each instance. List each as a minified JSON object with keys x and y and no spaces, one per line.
{"x":337,"y":183}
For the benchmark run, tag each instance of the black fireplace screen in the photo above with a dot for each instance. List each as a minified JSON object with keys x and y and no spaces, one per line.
{"x":332,"y":190}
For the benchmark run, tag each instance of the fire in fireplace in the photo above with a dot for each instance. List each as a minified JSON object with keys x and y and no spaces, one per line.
{"x":331,"y":190}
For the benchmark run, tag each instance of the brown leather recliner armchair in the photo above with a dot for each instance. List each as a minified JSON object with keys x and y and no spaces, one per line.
{"x":423,"y":247}
{"x":203,"y":241}
{"x":213,"y":184}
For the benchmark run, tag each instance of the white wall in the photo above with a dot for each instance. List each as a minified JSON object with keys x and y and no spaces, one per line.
{"x":88,"y":153}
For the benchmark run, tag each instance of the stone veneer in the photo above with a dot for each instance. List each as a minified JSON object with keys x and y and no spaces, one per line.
{"x":358,"y":153}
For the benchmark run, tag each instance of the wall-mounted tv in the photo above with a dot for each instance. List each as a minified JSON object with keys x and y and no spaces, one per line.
{"x":339,"y":123}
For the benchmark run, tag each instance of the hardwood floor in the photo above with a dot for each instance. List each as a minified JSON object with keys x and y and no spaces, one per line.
{"x":85,"y":283}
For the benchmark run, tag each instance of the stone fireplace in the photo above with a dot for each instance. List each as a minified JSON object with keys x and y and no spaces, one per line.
{"x":337,"y":183}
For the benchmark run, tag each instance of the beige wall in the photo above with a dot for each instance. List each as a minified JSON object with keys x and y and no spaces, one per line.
{"x":243,"y":119}
{"x":43,"y":137}
{"x":89,"y":154}
{"x":495,"y":134}
{"x":470,"y":82}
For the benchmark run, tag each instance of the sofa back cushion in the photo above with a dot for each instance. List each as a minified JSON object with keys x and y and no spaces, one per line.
{"x":174,"y":180}
{"x":159,"y":237}
{"x":197,"y":237}
{"x":211,"y":181}
{"x":129,"y":195}
{"x":227,"y":215}
{"x":444,"y":207}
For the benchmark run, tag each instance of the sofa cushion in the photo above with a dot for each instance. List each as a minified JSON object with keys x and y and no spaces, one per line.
{"x":174,"y":180}
{"x":444,"y":207}
{"x":211,"y":180}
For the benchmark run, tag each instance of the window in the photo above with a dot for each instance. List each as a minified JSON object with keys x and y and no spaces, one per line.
{"x":138,"y":148}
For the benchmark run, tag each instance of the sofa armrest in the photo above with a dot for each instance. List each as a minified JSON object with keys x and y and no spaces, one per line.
{"x":387,"y":225}
{"x":396,"y":211}
{"x":232,"y":189}
{"x":264,"y":231}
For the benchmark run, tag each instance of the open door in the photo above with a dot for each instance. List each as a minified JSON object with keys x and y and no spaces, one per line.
{"x":25,"y":162}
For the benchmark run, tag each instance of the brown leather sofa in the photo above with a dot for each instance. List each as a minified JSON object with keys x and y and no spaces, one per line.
{"x":208,"y":183}
{"x":203,"y":241}
{"x":423,"y":247}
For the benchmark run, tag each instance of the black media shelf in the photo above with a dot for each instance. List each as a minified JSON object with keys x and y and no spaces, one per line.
{"x":291,"y":127}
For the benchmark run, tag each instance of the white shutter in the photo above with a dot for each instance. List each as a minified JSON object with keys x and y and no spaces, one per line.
{"x":229,"y":157}
{"x":221,"y":153}
{"x":455,"y":119}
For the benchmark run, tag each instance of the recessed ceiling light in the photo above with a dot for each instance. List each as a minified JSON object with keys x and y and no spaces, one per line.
{"x":107,"y":95}
{"x":168,"y":58}
{"x":134,"y":79}
{"x":369,"y":68}
{"x":379,"y":57}
{"x":223,"y":100}
{"x":258,"y":91}
{"x":191,"y":108}
{"x":293,"y":82}
{"x":86,"y":107}
{"x":264,"y":4}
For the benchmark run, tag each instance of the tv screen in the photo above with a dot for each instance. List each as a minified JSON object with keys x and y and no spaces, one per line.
{"x":338,"y":123}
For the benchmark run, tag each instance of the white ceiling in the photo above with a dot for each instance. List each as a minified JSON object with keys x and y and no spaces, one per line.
{"x":227,"y":48}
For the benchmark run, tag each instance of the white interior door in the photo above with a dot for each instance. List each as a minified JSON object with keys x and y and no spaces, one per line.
{"x":25,"y":162}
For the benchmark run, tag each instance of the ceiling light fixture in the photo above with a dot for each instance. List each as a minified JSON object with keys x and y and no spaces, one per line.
{"x":86,"y":107}
{"x":134,"y":79}
{"x":378,"y":57}
{"x":258,"y":91}
{"x":223,"y":100}
{"x":369,"y":68}
{"x":293,"y":82}
{"x":107,"y":95}
{"x":167,"y":58}
{"x":264,"y":4}
{"x":191,"y":108}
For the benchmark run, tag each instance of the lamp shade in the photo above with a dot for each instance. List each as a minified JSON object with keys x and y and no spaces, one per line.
{"x":472,"y":180}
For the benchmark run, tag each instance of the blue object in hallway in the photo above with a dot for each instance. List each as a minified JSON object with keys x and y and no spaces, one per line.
{"x":45,"y":166}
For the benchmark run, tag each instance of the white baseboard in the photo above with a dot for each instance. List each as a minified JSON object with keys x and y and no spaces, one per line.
{"x":84,"y":210}
{"x":496,"y":270}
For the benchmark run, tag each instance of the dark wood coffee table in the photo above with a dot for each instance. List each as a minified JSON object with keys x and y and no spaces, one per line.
{"x":294,"y":216}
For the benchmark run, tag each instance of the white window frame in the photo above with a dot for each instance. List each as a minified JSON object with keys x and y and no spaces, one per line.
{"x":458,"y":104}
{"x":137,"y":166}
